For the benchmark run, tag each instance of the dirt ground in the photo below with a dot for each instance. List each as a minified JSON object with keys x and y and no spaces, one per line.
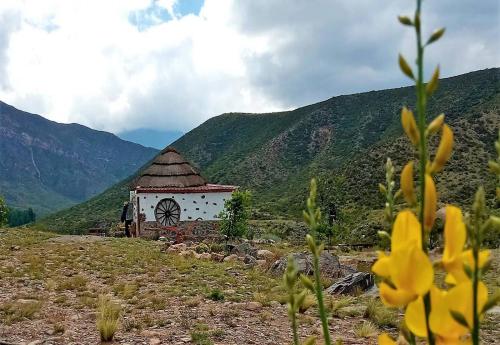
{"x":49,"y":287}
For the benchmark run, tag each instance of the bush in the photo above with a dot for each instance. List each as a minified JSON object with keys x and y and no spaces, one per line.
{"x":234,"y":217}
{"x":216,"y":295}
{"x":108,"y":314}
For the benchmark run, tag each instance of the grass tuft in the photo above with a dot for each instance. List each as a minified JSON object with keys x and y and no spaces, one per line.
{"x":108,"y":314}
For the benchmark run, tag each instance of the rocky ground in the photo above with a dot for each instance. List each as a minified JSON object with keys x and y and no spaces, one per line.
{"x":49,"y":286}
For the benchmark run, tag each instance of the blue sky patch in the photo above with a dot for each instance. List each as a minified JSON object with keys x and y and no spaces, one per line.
{"x":156,"y":14}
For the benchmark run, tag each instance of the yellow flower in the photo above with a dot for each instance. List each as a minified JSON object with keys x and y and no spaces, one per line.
{"x":406,"y":231}
{"x":407,"y":270}
{"x":456,"y":274}
{"x":415,"y":318}
{"x":435,"y":125}
{"x":454,"y":239}
{"x":430,"y":203}
{"x":444,"y":150}
{"x":411,"y":274}
{"x":461,"y":298}
{"x":442,"y":324}
{"x":407,"y":185}
{"x":410,"y":126}
{"x":385,"y":339}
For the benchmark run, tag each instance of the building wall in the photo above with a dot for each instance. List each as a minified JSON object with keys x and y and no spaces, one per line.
{"x":204,"y":206}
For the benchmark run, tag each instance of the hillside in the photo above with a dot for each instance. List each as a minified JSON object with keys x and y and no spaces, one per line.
{"x":49,"y":166}
{"x":345,"y":137}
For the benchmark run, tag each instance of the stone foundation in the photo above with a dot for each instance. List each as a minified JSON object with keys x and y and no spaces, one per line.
{"x":196,"y":231}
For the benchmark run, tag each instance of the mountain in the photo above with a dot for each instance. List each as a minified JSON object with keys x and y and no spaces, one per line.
{"x":151,"y":137}
{"x":344,"y":140}
{"x":49,"y":166}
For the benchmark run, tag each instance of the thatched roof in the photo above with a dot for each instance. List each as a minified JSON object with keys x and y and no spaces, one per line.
{"x":170,"y":169}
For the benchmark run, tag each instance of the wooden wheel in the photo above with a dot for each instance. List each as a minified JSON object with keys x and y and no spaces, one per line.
{"x":167,"y":212}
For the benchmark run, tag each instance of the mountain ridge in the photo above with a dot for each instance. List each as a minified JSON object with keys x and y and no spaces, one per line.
{"x":344,"y":140}
{"x":48,"y":165}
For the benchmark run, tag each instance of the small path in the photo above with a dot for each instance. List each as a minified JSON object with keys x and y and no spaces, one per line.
{"x":77,"y":239}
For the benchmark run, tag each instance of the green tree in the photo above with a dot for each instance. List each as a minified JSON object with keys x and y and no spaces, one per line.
{"x":4,"y":212}
{"x":235,"y":215}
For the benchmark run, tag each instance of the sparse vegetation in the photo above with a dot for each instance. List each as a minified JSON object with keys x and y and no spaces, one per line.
{"x":108,"y":314}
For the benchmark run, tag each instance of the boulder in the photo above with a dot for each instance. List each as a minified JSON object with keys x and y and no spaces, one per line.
{"x":249,"y":260}
{"x":243,"y":249}
{"x":217,"y":257}
{"x":352,"y":284}
{"x":261,"y":263}
{"x":264,"y":254}
{"x":253,"y":306}
{"x":205,"y":256}
{"x":231,"y":258}
{"x":329,"y":265}
{"x":176,"y":248}
{"x":188,"y":253}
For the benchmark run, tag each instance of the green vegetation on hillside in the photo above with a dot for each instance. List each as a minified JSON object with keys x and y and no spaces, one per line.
{"x":344,"y":141}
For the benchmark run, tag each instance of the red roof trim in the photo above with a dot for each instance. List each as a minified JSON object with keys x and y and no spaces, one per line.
{"x":209,"y":188}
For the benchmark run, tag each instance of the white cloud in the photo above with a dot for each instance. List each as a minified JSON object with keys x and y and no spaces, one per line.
{"x":85,"y":61}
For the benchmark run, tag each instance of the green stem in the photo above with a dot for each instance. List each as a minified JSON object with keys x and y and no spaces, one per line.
{"x":421,"y":109}
{"x":319,"y":296}
{"x":294,"y":329}
{"x":412,"y":339}
{"x":475,"y":282}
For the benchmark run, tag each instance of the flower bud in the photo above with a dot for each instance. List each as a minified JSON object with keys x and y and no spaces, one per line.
{"x":410,"y":126}
{"x":436,"y":35}
{"x":382,"y":189}
{"x":405,"y":67}
{"x":308,"y":284}
{"x":494,"y":167}
{"x":310,"y":243}
{"x":433,"y":83}
{"x":435,"y":125}
{"x":430,"y":203}
{"x":300,"y":300}
{"x":444,"y":150}
{"x":407,"y":185}
{"x":405,"y":20}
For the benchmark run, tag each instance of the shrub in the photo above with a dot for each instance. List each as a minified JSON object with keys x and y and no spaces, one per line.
{"x":234,"y":217}
{"x":108,"y":314}
{"x":216,"y":295}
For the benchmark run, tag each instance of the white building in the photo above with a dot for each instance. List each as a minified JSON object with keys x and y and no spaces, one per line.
{"x":171,"y":196}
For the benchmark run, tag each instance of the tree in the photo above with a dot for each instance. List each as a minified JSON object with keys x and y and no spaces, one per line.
{"x":4,"y":212}
{"x":235,"y":215}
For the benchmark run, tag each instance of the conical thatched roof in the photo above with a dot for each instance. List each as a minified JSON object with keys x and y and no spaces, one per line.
{"x":170,"y":169}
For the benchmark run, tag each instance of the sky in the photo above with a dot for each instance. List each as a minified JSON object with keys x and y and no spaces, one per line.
{"x":172,"y":64}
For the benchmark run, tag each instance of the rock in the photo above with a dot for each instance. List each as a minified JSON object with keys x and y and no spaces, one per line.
{"x":329,"y":265}
{"x":231,"y":258}
{"x":264,"y":254}
{"x":187,"y":253}
{"x":205,"y":256}
{"x":249,"y":260}
{"x":179,"y":247}
{"x":253,"y":306}
{"x":244,"y":249}
{"x":261,"y":263}
{"x":217,"y":257}
{"x":352,"y":283}
{"x":154,"y":341}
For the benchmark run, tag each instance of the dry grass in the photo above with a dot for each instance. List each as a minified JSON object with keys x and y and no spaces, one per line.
{"x":108,"y":314}
{"x":11,"y":312}
{"x":365,"y":330}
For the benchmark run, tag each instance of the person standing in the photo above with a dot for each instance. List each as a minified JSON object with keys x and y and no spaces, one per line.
{"x":127,"y":214}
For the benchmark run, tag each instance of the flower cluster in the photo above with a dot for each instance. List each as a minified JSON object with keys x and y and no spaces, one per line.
{"x":441,"y":316}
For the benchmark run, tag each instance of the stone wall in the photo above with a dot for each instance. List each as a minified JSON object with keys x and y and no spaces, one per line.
{"x":203,"y":230}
